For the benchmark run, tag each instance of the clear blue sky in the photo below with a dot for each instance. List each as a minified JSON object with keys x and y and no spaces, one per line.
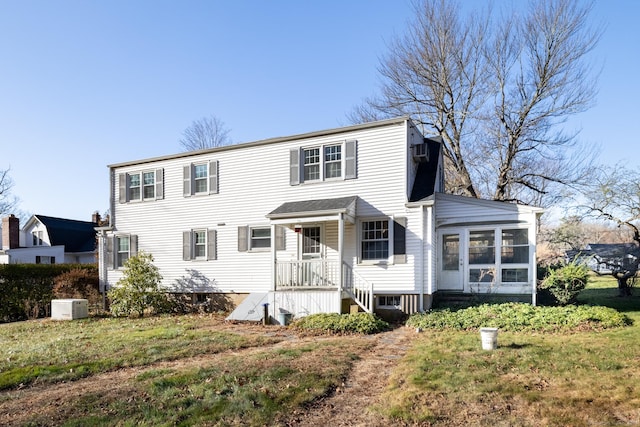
{"x":87,"y":83}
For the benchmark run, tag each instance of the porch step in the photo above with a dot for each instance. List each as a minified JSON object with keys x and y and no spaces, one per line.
{"x":251,"y":309}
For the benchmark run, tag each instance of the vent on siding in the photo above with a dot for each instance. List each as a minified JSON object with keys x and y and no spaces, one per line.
{"x":420,"y":152}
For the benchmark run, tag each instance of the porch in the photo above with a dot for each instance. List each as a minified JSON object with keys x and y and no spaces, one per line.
{"x":323,"y":274}
{"x":317,"y":261}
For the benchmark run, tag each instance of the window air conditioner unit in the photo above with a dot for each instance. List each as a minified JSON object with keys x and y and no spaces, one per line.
{"x":420,"y":152}
{"x":69,"y":309}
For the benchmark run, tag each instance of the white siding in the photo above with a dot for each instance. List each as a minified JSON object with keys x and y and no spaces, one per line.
{"x":255,"y":180}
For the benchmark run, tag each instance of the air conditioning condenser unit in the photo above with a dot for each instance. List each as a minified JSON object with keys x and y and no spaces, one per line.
{"x":69,"y":309}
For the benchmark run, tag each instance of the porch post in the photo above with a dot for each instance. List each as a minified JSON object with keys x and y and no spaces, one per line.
{"x":274,"y":258}
{"x":340,"y":258}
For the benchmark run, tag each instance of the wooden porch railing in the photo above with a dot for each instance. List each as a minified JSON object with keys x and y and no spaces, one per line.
{"x":307,"y":273}
{"x":358,"y":288}
{"x":322,"y":273}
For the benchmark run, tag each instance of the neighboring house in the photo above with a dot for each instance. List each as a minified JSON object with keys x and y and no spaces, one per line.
{"x":605,"y":257}
{"x":48,"y":240}
{"x":317,"y":222}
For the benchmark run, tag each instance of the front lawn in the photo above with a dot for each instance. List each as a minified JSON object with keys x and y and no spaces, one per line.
{"x":587,"y":376}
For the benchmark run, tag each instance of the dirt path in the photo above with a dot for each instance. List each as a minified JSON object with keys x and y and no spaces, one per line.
{"x":346,"y":407}
{"x":364,"y":387}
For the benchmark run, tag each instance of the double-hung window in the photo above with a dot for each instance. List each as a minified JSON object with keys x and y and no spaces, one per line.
{"x":200,"y":178}
{"x":375,"y":240}
{"x":333,"y":161}
{"x":134,"y":186}
{"x":260,"y":238}
{"x":141,"y":185}
{"x":311,"y":164}
{"x":323,"y":162}
{"x":199,"y":245}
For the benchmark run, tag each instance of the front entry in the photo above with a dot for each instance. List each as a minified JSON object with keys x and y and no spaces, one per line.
{"x":310,"y":253}
{"x":451,"y":261}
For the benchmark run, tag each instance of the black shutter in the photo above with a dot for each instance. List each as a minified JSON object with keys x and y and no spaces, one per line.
{"x":400,"y":240}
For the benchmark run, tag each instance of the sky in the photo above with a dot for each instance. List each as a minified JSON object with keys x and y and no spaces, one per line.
{"x":88,"y":83}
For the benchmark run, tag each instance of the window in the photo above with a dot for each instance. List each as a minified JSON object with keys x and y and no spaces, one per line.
{"x":389,"y":301}
{"x":482,"y":275}
{"x":122,"y":251}
{"x":134,"y":186}
{"x":199,"y":245}
{"x":515,"y":247}
{"x":375,"y":240}
{"x":260,"y":238}
{"x":200,"y":178}
{"x":312,"y":164}
{"x":450,"y":252}
{"x":143,"y":185}
{"x":311,"y":241}
{"x":45,"y":259}
{"x":510,"y":275}
{"x":37,"y":238}
{"x":482,"y":247}
{"x":331,"y":161}
{"x":149,"y":185}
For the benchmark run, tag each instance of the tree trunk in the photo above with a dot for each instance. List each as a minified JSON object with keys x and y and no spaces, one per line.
{"x":624,"y":290}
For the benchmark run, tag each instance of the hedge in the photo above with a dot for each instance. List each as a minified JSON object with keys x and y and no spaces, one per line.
{"x":26,"y":290}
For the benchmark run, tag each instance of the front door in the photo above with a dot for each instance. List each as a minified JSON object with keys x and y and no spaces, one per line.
{"x":311,"y":256}
{"x":451,"y":261}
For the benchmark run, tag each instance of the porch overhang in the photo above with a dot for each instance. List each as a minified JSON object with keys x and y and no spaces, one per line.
{"x":315,"y":211}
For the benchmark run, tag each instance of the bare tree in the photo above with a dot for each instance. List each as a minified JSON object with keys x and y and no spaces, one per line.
{"x":206,"y":132}
{"x":8,"y":202}
{"x":615,"y":197}
{"x":495,"y":91}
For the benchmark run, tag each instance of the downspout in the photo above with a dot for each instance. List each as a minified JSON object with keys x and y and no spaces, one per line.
{"x":340,"y":255}
{"x":422,"y":261}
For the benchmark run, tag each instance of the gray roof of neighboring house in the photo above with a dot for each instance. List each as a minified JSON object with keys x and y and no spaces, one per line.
{"x":76,"y":236}
{"x":613,"y":250}
{"x":311,"y":207}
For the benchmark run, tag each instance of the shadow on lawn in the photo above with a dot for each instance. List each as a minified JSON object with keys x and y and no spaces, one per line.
{"x":608,"y":297}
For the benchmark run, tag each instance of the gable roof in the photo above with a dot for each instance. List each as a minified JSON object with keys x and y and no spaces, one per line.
{"x":314,"y":207}
{"x":75,"y":236}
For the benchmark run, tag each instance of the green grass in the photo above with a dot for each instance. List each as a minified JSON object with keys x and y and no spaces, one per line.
{"x":567,"y":377}
{"x":47,"y":351}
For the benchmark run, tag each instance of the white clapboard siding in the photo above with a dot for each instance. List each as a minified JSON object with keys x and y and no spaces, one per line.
{"x":254,"y":180}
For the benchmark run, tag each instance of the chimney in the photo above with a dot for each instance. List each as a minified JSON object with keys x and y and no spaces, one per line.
{"x":10,"y":232}
{"x":95,"y":218}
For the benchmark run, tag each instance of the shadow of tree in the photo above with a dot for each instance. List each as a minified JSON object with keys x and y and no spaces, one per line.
{"x":195,"y":285}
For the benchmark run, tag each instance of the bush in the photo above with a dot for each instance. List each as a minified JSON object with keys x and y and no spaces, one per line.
{"x":565,"y":283}
{"x":77,"y":283}
{"x":361,"y":323}
{"x":139,"y":289}
{"x":26,"y":290}
{"x":521,"y":317}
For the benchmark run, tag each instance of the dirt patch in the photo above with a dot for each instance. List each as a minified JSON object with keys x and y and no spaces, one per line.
{"x":347,"y":406}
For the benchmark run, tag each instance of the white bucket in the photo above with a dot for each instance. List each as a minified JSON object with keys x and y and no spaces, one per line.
{"x":489,"y":337}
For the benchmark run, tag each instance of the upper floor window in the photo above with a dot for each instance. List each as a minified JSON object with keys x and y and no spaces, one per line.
{"x":333,"y":161}
{"x":142,"y":185}
{"x":324,"y":162}
{"x":37,"y":238}
{"x":200,"y":178}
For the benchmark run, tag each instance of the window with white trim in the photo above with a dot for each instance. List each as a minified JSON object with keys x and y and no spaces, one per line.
{"x":499,"y":255}
{"x":199,"y":244}
{"x":374,"y":240}
{"x":258,"y":238}
{"x":141,"y":185}
{"x":42,"y":259}
{"x":37,"y":238}
{"x":200,"y":178}
{"x":515,"y":250}
{"x":123,"y":248}
{"x":323,"y":162}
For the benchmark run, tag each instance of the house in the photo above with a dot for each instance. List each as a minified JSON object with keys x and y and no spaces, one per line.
{"x":318,"y":222}
{"x":48,"y":240}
